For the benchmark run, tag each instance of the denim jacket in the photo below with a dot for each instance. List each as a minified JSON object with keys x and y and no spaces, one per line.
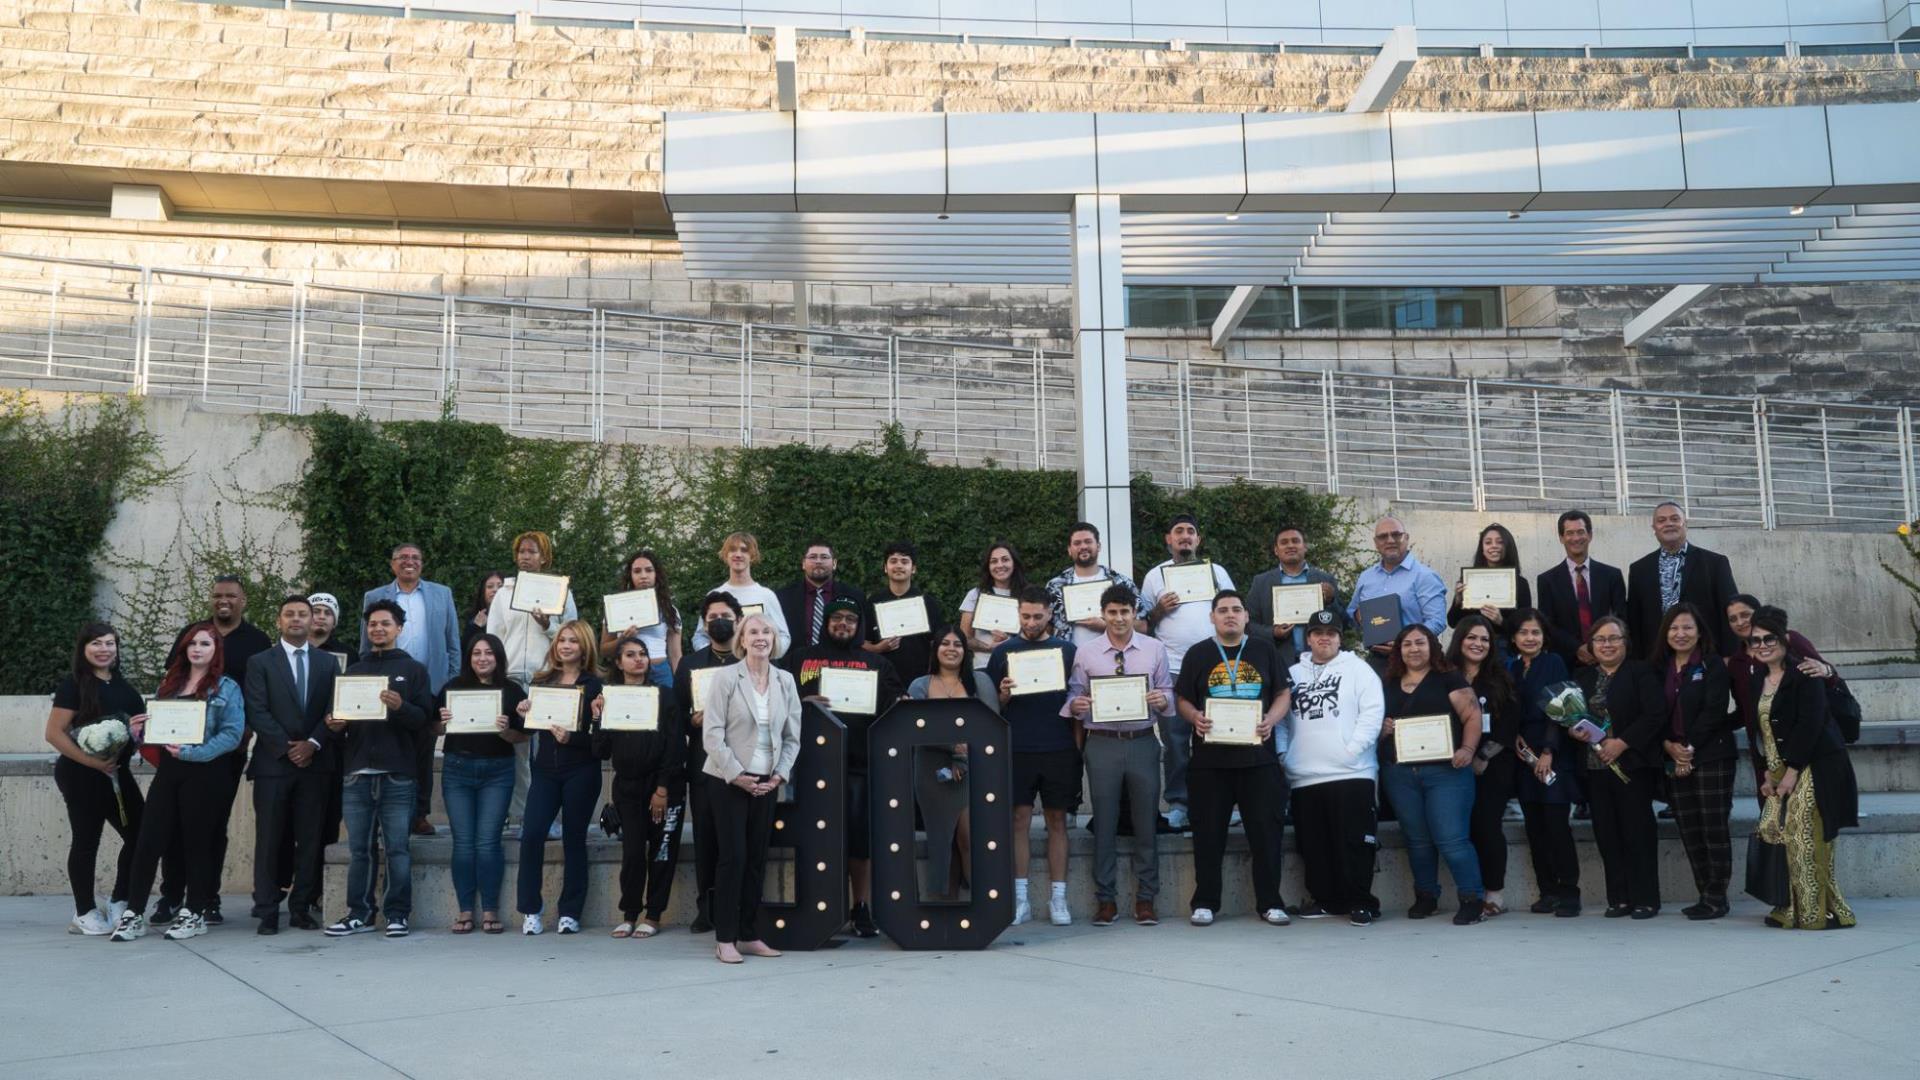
{"x":226,"y":722}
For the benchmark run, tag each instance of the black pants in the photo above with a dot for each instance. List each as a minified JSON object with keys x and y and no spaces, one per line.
{"x":649,"y":850}
{"x":1333,"y":825}
{"x":1701,"y":805}
{"x":706,"y":843}
{"x":1485,"y":829}
{"x":295,"y":802}
{"x":1627,"y":835}
{"x":1211,"y":796}
{"x":329,"y":834}
{"x":1556,"y":865}
{"x":91,"y":806}
{"x":743,"y":824}
{"x":183,"y":804}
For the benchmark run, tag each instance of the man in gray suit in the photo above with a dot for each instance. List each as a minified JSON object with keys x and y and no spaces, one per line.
{"x":289,"y":692}
{"x":1290,"y":551}
{"x":431,"y":635}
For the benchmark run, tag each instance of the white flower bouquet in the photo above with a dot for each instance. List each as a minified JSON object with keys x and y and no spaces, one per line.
{"x":1566,"y":705}
{"x":104,"y":739}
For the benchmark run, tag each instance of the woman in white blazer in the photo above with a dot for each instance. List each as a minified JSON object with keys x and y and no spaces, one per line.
{"x":752,"y":736}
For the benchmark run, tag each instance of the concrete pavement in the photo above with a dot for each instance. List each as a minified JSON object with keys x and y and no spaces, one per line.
{"x":1521,"y":996}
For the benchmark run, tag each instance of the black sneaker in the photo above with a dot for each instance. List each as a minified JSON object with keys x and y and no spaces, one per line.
{"x":1423,"y":906}
{"x":863,"y":922}
{"x":1546,"y":905}
{"x":1644,"y":912}
{"x":1359,"y":917}
{"x":396,"y":927}
{"x":1311,"y":911}
{"x":349,"y":926}
{"x":1618,"y":911}
{"x":1472,"y":910}
{"x":213,"y":917}
{"x":163,"y":912}
{"x":1569,"y":908}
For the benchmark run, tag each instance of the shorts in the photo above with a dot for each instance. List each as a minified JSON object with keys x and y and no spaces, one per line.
{"x":1054,"y":775}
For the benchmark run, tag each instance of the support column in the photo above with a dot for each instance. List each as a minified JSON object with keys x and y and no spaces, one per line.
{"x":1100,"y":376}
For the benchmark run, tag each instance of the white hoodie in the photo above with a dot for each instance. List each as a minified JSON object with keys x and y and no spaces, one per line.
{"x":1335,"y":722}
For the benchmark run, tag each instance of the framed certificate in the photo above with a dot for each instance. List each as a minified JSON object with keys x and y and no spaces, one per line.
{"x":752,"y":609}
{"x":474,"y":712}
{"x":992,"y":613}
{"x":1037,"y":671}
{"x":1418,"y":739}
{"x":540,"y":594}
{"x":904,"y":617}
{"x":357,"y":697}
{"x":1082,"y":599}
{"x":1117,"y":699}
{"x":1191,"y":582}
{"x":177,"y":722}
{"x":1236,"y":721}
{"x":851,"y":690}
{"x":1491,"y":587}
{"x":630,"y":708}
{"x":1294,"y":604}
{"x":553,"y":706}
{"x":702,"y":678}
{"x":639,"y":608}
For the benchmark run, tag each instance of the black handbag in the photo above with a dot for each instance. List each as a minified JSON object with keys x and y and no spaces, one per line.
{"x":610,"y":821}
{"x":1767,"y":872}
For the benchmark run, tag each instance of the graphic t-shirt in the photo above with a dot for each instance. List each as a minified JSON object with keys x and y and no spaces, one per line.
{"x":1249,"y":671}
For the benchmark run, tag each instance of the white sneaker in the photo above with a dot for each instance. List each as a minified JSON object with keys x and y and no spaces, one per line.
{"x":93,"y":924}
{"x":1058,"y":913}
{"x":553,"y":831}
{"x":1201,"y":917}
{"x":533,"y":925}
{"x":186,"y":925}
{"x":569,"y":924}
{"x":115,"y":910}
{"x":1022,"y":911}
{"x":1233,"y":822}
{"x":1177,"y":817}
{"x":131,"y":926}
{"x":1277,"y":916}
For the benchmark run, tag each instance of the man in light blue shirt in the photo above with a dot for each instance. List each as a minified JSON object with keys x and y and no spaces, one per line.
{"x":1423,"y":596}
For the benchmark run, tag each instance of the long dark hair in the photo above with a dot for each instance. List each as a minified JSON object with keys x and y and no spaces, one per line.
{"x":480,"y":594}
{"x":1438,"y":661}
{"x":662,"y":592}
{"x":618,"y":677}
{"x":467,"y":676}
{"x":86,"y":684}
{"x":1493,"y":681}
{"x":966,"y":651}
{"x":1016,"y":583}
{"x":181,"y":669}
{"x":1662,"y":653}
{"x":1510,"y":557}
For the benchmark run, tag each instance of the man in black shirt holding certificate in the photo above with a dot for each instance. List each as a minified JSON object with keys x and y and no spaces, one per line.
{"x":1046,"y":759}
{"x":1233,"y":691}
{"x":897,"y":604}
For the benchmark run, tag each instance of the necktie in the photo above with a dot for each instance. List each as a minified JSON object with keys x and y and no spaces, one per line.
{"x":819,"y":614}
{"x":300,"y":675}
{"x":1584,"y":599}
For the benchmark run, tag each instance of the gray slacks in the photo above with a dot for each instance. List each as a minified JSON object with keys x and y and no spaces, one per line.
{"x":1132,"y":764}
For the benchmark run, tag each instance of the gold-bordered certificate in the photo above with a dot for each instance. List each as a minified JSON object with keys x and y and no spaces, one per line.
{"x":1037,"y":671}
{"x":171,"y":722}
{"x":638,"y":608}
{"x":1082,"y":599}
{"x":630,"y":708}
{"x":1489,"y":587}
{"x":993,"y":612}
{"x":904,"y":617}
{"x":1234,"y":721}
{"x":1117,"y":699}
{"x":553,"y":706}
{"x":1293,"y":605}
{"x":357,"y":697}
{"x":1191,"y":582}
{"x":473,"y":712}
{"x":540,"y":594}
{"x":1418,"y":739}
{"x":851,"y":690}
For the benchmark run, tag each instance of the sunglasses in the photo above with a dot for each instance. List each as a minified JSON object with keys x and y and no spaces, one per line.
{"x":1763,"y":641}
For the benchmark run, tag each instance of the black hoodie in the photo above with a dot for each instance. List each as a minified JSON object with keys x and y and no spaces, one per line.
{"x":654,"y":758}
{"x":388,"y":746}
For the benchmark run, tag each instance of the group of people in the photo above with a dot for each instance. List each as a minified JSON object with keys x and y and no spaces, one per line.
{"x":1671,"y":660}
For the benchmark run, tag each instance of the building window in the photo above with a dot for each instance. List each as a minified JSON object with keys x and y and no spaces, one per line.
{"x":1320,"y":308}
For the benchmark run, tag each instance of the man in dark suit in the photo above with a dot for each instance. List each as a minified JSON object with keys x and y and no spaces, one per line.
{"x":804,"y":602}
{"x":1676,"y":571}
{"x":1577,"y":591}
{"x":289,"y":693}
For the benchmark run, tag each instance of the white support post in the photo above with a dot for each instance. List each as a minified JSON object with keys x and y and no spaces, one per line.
{"x":786,"y":58}
{"x":802,"y":303}
{"x":1231,"y":316}
{"x":1100,"y":376}
{"x":1390,"y":68}
{"x":1665,"y":310}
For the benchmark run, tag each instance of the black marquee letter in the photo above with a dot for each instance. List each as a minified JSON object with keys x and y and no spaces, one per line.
{"x":814,"y":825}
{"x":911,"y":922}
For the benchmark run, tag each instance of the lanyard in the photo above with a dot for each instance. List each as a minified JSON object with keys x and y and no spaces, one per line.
{"x":1233,"y":665}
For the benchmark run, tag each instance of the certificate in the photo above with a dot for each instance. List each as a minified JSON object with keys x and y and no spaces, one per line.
{"x":1490,"y":587}
{"x":1082,"y":599}
{"x":1117,"y":699}
{"x":1418,"y":739}
{"x":473,"y":712}
{"x":901,"y":618}
{"x":553,"y":706}
{"x":630,"y":708}
{"x":1236,"y":721}
{"x":176,"y":723}
{"x":702,"y":677}
{"x":996,"y":613}
{"x":639,"y":609}
{"x":357,"y":697}
{"x":1191,"y":582}
{"x":1294,"y":604}
{"x":540,"y":594}
{"x":1037,"y":671}
{"x":752,"y":609}
{"x":850,"y":690}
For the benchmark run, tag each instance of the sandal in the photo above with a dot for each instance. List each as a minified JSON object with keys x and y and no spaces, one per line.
{"x":625,"y":929}
{"x":646,"y":929}
{"x":462,"y":925}
{"x":492,"y":925}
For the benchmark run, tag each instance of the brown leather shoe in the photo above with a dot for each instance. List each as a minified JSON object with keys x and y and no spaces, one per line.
{"x":1106,"y":913}
{"x":1143,"y":913}
{"x":422,"y":827}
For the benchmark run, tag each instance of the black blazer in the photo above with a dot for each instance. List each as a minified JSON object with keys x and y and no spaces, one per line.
{"x":274,"y":714}
{"x":793,"y":605}
{"x":1705,"y":692}
{"x":1606,"y":594}
{"x":1808,"y":741}
{"x":1706,"y":579}
{"x":1636,"y":707}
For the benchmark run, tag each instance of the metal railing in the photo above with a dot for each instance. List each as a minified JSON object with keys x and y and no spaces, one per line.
{"x":594,"y":373}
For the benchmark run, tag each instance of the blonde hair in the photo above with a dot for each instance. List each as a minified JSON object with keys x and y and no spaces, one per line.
{"x":753,"y":546}
{"x":589,"y":655}
{"x":740,"y":632}
{"x":540,"y":540}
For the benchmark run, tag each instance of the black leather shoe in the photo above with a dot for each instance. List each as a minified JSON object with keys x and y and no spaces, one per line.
{"x":303,"y":922}
{"x":1546,"y":905}
{"x":1568,"y":910}
{"x":1708,"y":908}
{"x":214,"y":918}
{"x":1423,"y":906}
{"x":1618,"y":911}
{"x":269,"y":926}
{"x":1645,"y":912}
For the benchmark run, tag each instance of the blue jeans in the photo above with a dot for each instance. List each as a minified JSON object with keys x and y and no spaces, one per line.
{"x":569,"y":793}
{"x":382,"y":801}
{"x":1435,"y":806}
{"x":661,"y":675}
{"x":476,"y":791}
{"x":1176,"y":741}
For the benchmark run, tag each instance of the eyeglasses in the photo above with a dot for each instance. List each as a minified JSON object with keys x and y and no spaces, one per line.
{"x":1608,"y":639}
{"x":1390,"y":536}
{"x":1763,"y":641}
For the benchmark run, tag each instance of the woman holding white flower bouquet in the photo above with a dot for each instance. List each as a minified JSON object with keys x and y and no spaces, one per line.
{"x":91,"y":724}
{"x":1627,"y":697}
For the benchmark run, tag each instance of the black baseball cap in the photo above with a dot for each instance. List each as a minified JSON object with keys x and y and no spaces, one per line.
{"x":840,"y":603}
{"x":1324,"y":619}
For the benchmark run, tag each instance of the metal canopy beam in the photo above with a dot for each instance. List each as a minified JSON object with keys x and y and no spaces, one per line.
{"x":1665,"y":310}
{"x":1398,"y":53}
{"x":1231,"y":316}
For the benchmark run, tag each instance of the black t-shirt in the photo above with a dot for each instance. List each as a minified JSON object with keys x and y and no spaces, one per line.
{"x":484,"y":745}
{"x":1250,"y":670}
{"x":1430,"y":698}
{"x":915,"y":653}
{"x":116,"y":695}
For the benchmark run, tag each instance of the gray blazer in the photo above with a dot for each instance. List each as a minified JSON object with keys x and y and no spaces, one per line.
{"x":730,"y":732}
{"x":1259,"y":598}
{"x":441,"y":657}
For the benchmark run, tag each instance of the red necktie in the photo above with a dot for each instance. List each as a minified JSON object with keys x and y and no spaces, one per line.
{"x":1584,"y":599}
